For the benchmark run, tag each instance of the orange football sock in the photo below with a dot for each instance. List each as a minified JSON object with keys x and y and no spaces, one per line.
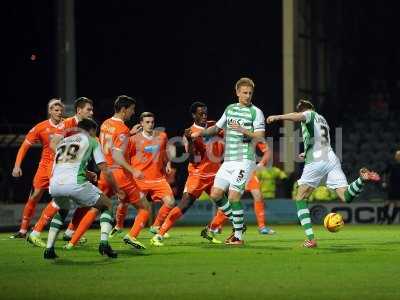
{"x":47,"y":214}
{"x":79,"y":213}
{"x":84,"y":225}
{"x":260,"y":213}
{"x":27,"y":214}
{"x":120,"y":215}
{"x":162,"y":214}
{"x":172,"y":217}
{"x":140,"y":222}
{"x":218,"y":220}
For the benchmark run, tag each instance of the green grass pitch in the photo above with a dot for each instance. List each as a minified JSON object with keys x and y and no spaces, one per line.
{"x":359,"y":262}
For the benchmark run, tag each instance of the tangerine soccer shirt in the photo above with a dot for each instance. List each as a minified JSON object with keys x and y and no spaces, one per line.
{"x":208,"y":153}
{"x":43,"y":133}
{"x":114,"y":135}
{"x":148,"y":154}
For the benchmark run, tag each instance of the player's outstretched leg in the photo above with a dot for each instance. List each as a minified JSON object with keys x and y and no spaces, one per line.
{"x":174,"y":215}
{"x":169,"y":204}
{"x":355,"y":188}
{"x":140,"y":221}
{"x":210,"y":231}
{"x":47,"y":215}
{"x":224,"y":209}
{"x":83,"y":226}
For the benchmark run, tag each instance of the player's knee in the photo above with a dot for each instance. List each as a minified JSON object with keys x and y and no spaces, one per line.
{"x":169,"y":201}
{"x":234,"y":196}
{"x":143,"y":204}
{"x":216,"y":194}
{"x":303,"y":192}
{"x":257,"y":195}
{"x":104,"y":203}
{"x":36,"y":194}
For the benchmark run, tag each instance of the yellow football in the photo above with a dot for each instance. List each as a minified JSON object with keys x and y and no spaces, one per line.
{"x":333,"y":222}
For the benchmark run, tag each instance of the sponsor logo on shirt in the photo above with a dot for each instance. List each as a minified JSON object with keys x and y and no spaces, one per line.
{"x":152,"y":149}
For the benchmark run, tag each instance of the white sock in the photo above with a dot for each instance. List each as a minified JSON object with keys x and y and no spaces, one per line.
{"x":105,"y":231}
{"x":69,"y":232}
{"x":51,"y":238}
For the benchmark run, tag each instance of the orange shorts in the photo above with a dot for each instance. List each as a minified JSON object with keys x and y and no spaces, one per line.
{"x":42,"y":177}
{"x":157,"y":189}
{"x":195,"y":185}
{"x":125,"y":182}
{"x":253,"y":184}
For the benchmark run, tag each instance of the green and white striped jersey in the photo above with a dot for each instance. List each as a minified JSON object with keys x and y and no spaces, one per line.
{"x":237,"y":146}
{"x":72,"y":156}
{"x":315,"y":131}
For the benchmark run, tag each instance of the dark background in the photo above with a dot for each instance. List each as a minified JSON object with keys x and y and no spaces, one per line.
{"x":167,"y":55}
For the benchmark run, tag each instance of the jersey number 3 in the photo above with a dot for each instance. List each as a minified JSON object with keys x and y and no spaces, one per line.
{"x":324,"y":135}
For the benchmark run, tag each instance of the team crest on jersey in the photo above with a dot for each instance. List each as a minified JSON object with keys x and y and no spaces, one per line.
{"x":232,"y":121}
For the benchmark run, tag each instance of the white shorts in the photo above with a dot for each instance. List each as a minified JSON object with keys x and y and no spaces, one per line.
{"x":83,"y":195}
{"x":234,"y":175}
{"x":325,"y":171}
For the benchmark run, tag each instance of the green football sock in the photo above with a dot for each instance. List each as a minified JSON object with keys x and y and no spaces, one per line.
{"x":55,"y":226}
{"x":303,"y":214}
{"x":353,"y":190}
{"x":237,"y":212}
{"x":106,"y":225}
{"x":225,"y":206}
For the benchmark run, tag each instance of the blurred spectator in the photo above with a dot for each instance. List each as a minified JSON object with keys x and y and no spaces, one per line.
{"x":378,"y":104}
{"x":268,"y":180}
{"x":391,"y":183}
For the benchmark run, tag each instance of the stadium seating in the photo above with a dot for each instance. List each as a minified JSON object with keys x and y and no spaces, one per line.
{"x":369,"y":140}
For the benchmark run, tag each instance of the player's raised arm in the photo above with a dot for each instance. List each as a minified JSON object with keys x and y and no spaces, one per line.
{"x":294,"y":117}
{"x":212,"y":130}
